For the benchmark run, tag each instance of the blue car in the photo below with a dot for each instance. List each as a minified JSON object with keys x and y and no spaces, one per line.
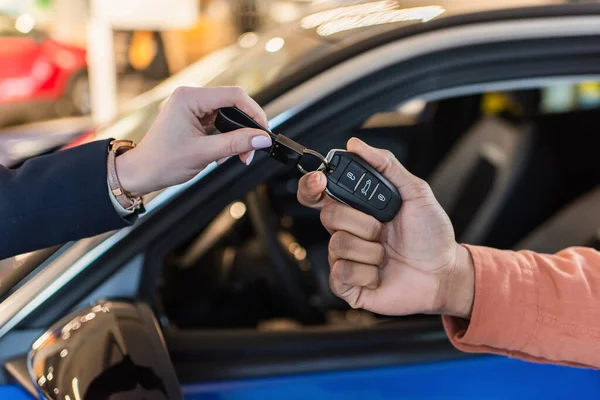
{"x":220,"y":290}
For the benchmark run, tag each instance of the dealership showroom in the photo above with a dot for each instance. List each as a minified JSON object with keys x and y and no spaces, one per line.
{"x":299,"y":199}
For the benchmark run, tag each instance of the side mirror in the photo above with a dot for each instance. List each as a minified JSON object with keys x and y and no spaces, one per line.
{"x":113,"y":350}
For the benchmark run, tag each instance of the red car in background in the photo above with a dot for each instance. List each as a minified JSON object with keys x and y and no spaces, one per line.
{"x":39,"y":77}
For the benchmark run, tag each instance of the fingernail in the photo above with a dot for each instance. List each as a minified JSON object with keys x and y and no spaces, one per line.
{"x":222,"y":160}
{"x":315,"y":179}
{"x":261,"y":142}
{"x":250,"y":157}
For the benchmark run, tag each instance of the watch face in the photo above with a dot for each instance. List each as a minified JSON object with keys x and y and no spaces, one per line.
{"x":121,"y":146}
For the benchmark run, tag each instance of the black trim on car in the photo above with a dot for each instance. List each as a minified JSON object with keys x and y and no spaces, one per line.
{"x":224,"y":355}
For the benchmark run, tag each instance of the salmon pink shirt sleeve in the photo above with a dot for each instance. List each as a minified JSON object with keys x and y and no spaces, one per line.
{"x":538,"y":307}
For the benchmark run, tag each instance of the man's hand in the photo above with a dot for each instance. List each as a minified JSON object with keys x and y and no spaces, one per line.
{"x":177,"y":146}
{"x":407,"y":266}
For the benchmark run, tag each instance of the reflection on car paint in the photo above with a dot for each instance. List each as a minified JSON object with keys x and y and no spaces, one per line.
{"x":481,"y":377}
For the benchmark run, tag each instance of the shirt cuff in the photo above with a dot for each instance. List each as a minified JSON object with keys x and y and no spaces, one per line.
{"x":504,"y":308}
{"x":118,"y":207}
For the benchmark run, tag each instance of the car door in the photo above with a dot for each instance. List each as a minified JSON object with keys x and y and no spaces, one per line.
{"x":18,"y":53}
{"x":410,"y":357}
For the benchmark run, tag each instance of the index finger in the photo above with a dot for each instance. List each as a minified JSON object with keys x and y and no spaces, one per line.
{"x":209,"y":99}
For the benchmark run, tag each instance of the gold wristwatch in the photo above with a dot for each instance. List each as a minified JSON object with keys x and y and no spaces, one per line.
{"x":125,"y":199}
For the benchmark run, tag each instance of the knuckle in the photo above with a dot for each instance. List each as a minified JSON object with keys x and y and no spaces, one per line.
{"x":420,"y":189}
{"x":180,"y":92}
{"x":389,"y":157}
{"x":342,"y":271}
{"x":237,"y":92}
{"x":337,"y":243}
{"x":333,"y":286}
{"x":232,"y":147}
{"x":327,"y":216}
{"x":379,"y":255}
{"x":374,"y":230}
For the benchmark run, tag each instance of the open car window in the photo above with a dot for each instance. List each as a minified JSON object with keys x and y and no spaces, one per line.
{"x":477,"y":152}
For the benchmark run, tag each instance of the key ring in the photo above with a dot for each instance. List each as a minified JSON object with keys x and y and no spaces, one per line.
{"x":316,"y":154}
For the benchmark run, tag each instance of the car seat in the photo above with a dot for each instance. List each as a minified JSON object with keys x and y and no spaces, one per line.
{"x":477,"y":177}
{"x":578,"y":224}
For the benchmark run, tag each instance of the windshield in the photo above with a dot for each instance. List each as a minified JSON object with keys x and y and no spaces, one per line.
{"x":269,"y":57}
{"x":265,"y":58}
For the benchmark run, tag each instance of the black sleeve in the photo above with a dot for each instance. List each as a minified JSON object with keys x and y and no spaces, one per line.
{"x":56,"y":198}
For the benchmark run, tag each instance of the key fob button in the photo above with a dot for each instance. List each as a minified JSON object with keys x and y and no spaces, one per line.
{"x":380,"y":197}
{"x":351,"y":176}
{"x":339,"y":167}
{"x":334,"y":161}
{"x":365,"y":187}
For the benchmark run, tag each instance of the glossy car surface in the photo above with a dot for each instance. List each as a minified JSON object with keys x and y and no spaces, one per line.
{"x":38,"y":76}
{"x":236,"y":271}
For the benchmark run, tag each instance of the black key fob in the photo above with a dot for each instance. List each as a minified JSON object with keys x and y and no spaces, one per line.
{"x":231,"y":118}
{"x":352,"y":181}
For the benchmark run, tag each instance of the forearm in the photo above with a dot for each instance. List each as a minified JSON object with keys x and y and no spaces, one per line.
{"x":532,"y":306}
{"x":54,"y":199}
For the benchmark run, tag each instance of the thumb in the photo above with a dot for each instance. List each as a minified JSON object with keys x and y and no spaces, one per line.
{"x":311,"y":188}
{"x":410,"y":186}
{"x":237,"y":142}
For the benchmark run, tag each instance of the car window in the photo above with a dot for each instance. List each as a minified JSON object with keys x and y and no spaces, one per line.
{"x":508,"y":138}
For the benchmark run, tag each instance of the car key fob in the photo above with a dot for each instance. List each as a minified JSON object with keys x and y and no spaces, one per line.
{"x":352,"y":181}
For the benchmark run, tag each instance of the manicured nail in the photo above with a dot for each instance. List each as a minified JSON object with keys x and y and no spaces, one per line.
{"x":222,"y":160}
{"x":261,"y":142}
{"x":250,"y":157}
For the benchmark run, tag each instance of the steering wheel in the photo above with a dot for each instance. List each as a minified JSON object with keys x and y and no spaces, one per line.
{"x":296,"y":290}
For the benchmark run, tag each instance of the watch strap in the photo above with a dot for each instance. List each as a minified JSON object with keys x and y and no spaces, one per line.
{"x":124,"y":198}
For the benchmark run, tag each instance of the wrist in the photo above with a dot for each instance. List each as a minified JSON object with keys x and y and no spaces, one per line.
{"x":132,"y":175}
{"x":457,"y":291}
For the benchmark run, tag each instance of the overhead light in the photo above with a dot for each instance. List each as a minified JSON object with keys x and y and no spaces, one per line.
{"x":248,"y":39}
{"x":300,"y":253}
{"x":75,"y":385}
{"x":293,"y":247}
{"x":366,"y":14}
{"x":25,"y":23}
{"x":316,"y":19}
{"x":274,"y":45}
{"x":422,"y":14}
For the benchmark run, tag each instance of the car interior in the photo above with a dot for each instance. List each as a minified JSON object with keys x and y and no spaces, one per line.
{"x":512,"y":169}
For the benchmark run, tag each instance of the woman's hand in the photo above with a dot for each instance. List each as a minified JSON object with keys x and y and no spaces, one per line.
{"x":177,"y":147}
{"x":407,"y":266}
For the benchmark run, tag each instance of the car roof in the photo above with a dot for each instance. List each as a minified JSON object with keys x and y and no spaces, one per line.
{"x":350,"y":43}
{"x":354,"y":20}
